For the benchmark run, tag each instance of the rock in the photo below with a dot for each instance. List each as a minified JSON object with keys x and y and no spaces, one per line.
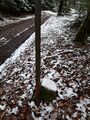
{"x":49,"y":84}
{"x":48,"y":90}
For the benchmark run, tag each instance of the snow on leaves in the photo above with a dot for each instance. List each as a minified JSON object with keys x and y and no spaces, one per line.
{"x":62,"y":61}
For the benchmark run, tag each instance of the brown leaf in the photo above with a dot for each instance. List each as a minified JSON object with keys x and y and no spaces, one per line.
{"x":2,"y":115}
{"x":61,"y":104}
{"x":1,"y":91}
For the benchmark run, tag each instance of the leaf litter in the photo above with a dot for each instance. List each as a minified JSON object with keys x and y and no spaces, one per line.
{"x":63,"y":62}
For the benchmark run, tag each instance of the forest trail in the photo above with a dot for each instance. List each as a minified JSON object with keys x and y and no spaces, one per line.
{"x":13,"y":35}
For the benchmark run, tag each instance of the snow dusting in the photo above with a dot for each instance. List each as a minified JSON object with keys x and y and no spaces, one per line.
{"x":49,"y":84}
{"x":2,"y":107}
{"x":10,"y":20}
{"x":64,"y":68}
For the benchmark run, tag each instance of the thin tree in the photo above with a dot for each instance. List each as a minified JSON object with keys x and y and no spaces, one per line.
{"x":62,"y":7}
{"x":60,"y":10}
{"x":37,"y":49}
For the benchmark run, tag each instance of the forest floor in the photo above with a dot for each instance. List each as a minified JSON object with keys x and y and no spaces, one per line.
{"x":62,"y":61}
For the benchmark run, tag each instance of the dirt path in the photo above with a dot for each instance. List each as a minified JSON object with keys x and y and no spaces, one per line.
{"x":13,"y":35}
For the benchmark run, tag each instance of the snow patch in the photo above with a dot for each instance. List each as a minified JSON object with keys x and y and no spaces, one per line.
{"x":50,"y":12}
{"x":2,"y":107}
{"x":49,"y":84}
{"x":69,"y":92}
{"x":21,"y":32}
{"x":13,"y":111}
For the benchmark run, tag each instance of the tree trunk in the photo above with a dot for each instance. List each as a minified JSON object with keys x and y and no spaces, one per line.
{"x":62,"y":7}
{"x":84,"y":30}
{"x":37,"y":49}
{"x":60,"y":10}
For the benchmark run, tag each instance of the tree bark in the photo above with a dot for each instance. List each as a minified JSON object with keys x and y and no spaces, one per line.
{"x":84,"y":30}
{"x":37,"y":49}
{"x":60,"y":10}
{"x":62,"y":7}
